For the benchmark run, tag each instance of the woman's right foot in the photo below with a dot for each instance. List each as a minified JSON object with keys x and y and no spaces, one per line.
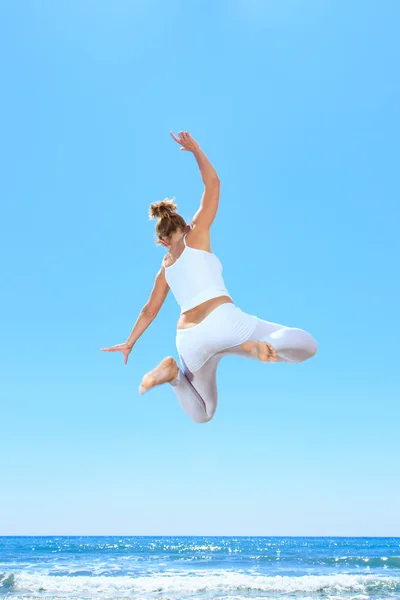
{"x":166,"y":371}
{"x":261,"y":350}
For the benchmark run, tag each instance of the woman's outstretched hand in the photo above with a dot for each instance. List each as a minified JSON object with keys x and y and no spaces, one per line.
{"x":124,"y":348}
{"x":186,"y":141}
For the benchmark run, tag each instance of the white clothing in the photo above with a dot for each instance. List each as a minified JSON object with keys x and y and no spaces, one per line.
{"x":197,"y":389}
{"x":195,"y":277}
{"x":225,"y":327}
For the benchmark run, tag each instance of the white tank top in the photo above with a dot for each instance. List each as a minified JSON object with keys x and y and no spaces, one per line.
{"x":195,"y":277}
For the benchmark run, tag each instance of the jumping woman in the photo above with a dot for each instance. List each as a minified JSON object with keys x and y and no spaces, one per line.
{"x":210,"y":325}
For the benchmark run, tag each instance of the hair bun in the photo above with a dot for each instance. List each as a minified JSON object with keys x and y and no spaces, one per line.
{"x":163,"y":209}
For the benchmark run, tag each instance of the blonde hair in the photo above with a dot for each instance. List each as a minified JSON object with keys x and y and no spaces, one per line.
{"x":168,"y":219}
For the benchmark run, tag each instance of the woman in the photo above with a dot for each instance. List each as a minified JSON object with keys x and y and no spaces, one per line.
{"x":210,"y":325}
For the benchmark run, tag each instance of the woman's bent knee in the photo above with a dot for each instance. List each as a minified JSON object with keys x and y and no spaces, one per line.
{"x":206,"y":416}
{"x":307,"y":345}
{"x":295,"y":345}
{"x":202,"y":419}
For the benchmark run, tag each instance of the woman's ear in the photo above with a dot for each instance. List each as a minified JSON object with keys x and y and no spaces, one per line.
{"x":187,"y":228}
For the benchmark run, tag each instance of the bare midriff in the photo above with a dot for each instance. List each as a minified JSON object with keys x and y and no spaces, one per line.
{"x":196,"y":315}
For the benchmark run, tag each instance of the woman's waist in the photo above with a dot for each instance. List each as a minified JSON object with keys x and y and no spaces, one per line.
{"x":196,"y":315}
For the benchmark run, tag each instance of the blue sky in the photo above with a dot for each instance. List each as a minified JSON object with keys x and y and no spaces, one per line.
{"x":297,"y":104}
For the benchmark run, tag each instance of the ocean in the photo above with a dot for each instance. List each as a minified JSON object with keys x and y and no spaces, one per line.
{"x":207,"y":568}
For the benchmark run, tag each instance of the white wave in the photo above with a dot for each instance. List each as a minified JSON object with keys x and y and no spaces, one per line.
{"x":195,"y":582}
{"x":263,"y":597}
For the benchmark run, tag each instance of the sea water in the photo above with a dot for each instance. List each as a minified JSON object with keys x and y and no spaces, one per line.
{"x":208,"y":568}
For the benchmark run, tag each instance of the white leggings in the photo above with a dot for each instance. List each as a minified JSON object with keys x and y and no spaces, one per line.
{"x":197,"y":391}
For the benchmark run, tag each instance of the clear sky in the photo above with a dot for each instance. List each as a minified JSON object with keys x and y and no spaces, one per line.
{"x":297,"y":104}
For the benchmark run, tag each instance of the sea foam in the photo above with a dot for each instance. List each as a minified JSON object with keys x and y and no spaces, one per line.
{"x":172,"y":584}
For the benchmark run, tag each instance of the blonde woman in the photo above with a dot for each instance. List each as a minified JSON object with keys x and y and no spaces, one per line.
{"x":210,"y":325}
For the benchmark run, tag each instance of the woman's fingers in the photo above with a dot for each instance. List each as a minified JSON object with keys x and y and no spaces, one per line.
{"x":190,"y":143}
{"x":117,"y":348}
{"x":177,"y":140}
{"x":185,"y":140}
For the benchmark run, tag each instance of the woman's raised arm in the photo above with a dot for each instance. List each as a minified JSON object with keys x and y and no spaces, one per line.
{"x":205,"y":215}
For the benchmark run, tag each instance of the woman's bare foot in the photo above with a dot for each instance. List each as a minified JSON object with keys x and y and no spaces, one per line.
{"x":261,"y":350}
{"x":166,"y":371}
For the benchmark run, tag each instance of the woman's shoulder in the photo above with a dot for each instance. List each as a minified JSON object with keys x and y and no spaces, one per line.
{"x":167,"y":261}
{"x":198,"y":238}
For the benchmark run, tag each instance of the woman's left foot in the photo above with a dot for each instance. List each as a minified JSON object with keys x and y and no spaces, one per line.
{"x":166,"y":371}
{"x":261,"y":350}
